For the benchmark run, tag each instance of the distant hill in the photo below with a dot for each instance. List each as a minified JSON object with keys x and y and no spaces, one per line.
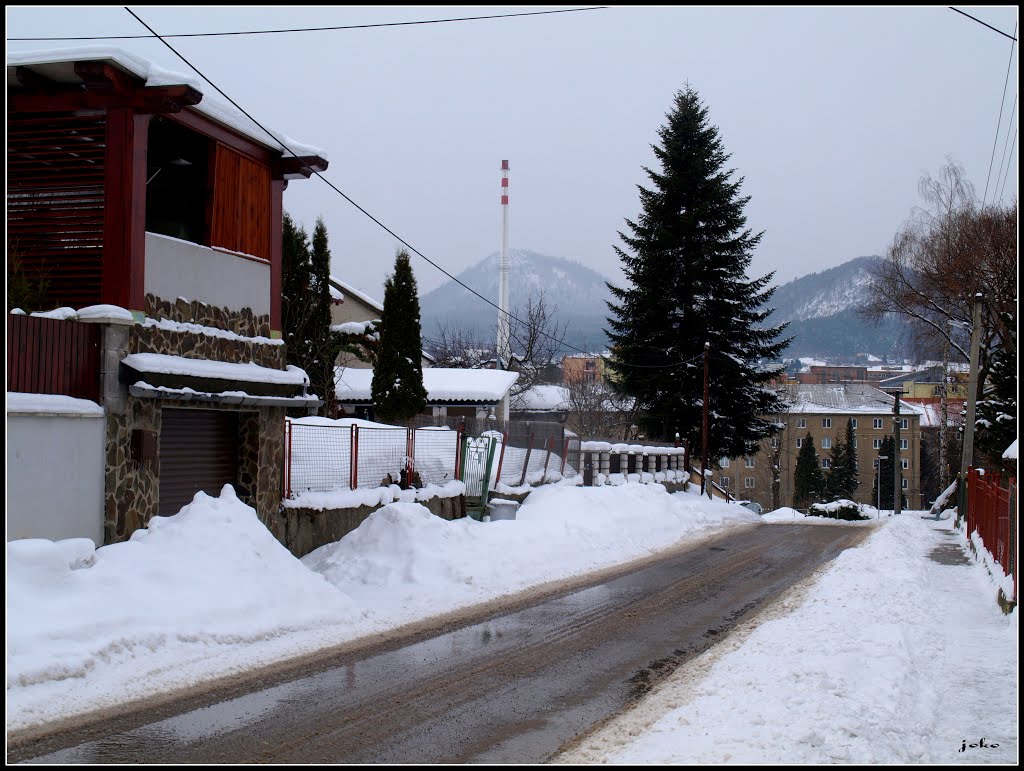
{"x":822,"y":311}
{"x":820,"y":307}
{"x":578,"y":293}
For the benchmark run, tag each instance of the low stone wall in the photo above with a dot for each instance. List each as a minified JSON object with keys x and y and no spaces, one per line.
{"x":305,"y":530}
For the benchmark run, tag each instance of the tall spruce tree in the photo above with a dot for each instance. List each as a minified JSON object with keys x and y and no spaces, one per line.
{"x":835,"y":483}
{"x":808,"y":478}
{"x":996,"y":422}
{"x":397,"y":388}
{"x":686,"y":263}
{"x":306,"y":306}
{"x":852,"y":475}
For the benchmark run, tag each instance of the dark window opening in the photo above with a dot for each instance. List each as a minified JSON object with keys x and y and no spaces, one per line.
{"x":177,"y":174}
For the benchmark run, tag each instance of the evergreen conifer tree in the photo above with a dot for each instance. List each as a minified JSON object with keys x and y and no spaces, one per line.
{"x":808,"y":480}
{"x":852,"y":476}
{"x":397,"y":388}
{"x":324,"y":345}
{"x":835,"y":483}
{"x":686,"y":263}
{"x":996,"y":421}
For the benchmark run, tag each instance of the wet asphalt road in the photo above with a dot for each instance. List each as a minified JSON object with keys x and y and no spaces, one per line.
{"x":513,"y":688}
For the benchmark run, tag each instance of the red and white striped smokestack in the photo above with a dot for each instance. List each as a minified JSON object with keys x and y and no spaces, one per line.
{"x":504,"y":353}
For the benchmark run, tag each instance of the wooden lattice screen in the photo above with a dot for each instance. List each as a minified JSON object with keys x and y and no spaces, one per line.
{"x":55,"y":203}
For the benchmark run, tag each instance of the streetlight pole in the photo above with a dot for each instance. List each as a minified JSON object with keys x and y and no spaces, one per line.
{"x":879,"y":509}
{"x":704,"y":442}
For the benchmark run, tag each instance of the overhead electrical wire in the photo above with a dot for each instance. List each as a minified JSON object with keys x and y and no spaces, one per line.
{"x":1012,"y":37}
{"x":376,"y":221}
{"x":999,"y":123}
{"x":314,"y":29}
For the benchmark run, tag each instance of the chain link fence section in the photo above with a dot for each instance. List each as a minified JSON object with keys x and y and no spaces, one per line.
{"x":317,"y":458}
{"x":435,"y":453}
{"x":382,"y":456}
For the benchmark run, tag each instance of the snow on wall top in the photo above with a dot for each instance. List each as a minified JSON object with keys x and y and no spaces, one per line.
{"x":442,"y":383}
{"x":51,"y":403}
{"x":849,"y":397}
{"x":154,"y":75}
{"x":217,"y":370}
{"x":1011,"y":451}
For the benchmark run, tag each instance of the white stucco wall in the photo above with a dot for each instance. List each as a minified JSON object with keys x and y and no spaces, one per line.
{"x":55,"y":476}
{"x":176,"y":268}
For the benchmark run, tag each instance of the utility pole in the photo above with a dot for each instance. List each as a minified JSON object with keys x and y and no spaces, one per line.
{"x":944,"y":415}
{"x":504,"y":357}
{"x":704,"y":430}
{"x":967,"y":454}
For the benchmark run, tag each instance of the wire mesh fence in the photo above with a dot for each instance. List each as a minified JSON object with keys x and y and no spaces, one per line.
{"x":325,"y":458}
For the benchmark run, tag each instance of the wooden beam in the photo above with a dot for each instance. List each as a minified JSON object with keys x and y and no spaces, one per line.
{"x":296,"y":167}
{"x":103,"y":76}
{"x":151,"y":100}
{"x":31,"y":79}
{"x":237,"y":142}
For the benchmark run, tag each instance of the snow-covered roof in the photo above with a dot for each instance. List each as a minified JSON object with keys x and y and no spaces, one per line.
{"x":48,"y":63}
{"x":443,"y":384}
{"x":51,"y":404}
{"x":842,"y":398}
{"x":356,"y":293}
{"x":543,"y":398}
{"x":164,"y":364}
{"x":1011,"y":451}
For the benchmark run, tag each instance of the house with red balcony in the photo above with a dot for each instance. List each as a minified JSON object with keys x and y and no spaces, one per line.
{"x":146,"y":218}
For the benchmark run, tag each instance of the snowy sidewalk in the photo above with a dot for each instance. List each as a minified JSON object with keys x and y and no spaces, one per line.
{"x":889,"y":656}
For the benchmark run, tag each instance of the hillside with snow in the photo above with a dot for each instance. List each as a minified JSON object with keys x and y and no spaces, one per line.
{"x":576,"y":291}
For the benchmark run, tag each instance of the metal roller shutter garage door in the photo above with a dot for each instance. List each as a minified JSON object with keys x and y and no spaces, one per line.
{"x":198,"y":451}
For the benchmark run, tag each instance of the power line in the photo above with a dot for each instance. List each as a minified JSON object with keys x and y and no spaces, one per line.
{"x":1009,"y":160}
{"x":380,"y":224}
{"x":984,"y":24}
{"x":1003,"y":166}
{"x":999,"y":123}
{"x":314,"y":29}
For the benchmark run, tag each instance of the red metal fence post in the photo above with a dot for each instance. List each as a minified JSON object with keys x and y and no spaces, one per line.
{"x":458,"y":454}
{"x":410,"y":454}
{"x":353,"y":451}
{"x":501,"y":455}
{"x":565,"y":454}
{"x":287,"y":459}
{"x":526,"y":463}
{"x":547,"y":458}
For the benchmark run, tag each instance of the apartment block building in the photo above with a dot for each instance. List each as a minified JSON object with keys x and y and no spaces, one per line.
{"x":822,"y":411}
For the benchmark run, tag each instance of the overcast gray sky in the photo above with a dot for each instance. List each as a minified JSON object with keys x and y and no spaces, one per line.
{"x":831,"y":114}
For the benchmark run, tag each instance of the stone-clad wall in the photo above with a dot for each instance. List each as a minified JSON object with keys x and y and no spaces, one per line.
{"x":242,"y":322}
{"x":132,"y":489}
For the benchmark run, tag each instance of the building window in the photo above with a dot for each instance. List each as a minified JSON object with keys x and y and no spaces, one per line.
{"x":826,"y":422}
{"x":799,"y":443}
{"x":775,"y":442}
{"x":801,"y":423}
{"x":750,"y":462}
{"x":748,"y":483}
{"x":855,"y":443}
{"x":826,"y":463}
{"x":905,"y":484}
{"x":876,"y":444}
{"x":904,"y":463}
{"x":853,"y":422}
{"x":826,"y":443}
{"x":874,"y":464}
{"x":725,"y":481}
{"x":904,"y":444}
{"x":876,"y":422}
{"x":724,"y":463}
{"x":904,"y":422}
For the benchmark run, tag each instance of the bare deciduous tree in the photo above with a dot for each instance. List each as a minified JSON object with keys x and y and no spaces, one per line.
{"x":535,"y":337}
{"x":598,"y":411}
{"x":944,"y":254}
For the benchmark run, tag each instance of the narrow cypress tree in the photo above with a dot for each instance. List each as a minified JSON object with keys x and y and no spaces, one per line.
{"x":686,"y":262}
{"x":324,"y":345}
{"x":808,"y":479}
{"x":296,"y":274}
{"x":852,"y":477}
{"x":397,"y":387}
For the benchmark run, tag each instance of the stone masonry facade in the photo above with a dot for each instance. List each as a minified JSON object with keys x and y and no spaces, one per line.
{"x":132,"y":488}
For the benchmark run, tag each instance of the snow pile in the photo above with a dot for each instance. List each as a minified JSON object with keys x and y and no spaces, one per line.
{"x":415,"y":564}
{"x":88,"y":626}
{"x":890,"y":658}
{"x":785,"y":514}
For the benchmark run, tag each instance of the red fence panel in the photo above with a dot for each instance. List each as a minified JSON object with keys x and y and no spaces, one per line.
{"x":53,"y":356}
{"x":992,"y":512}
